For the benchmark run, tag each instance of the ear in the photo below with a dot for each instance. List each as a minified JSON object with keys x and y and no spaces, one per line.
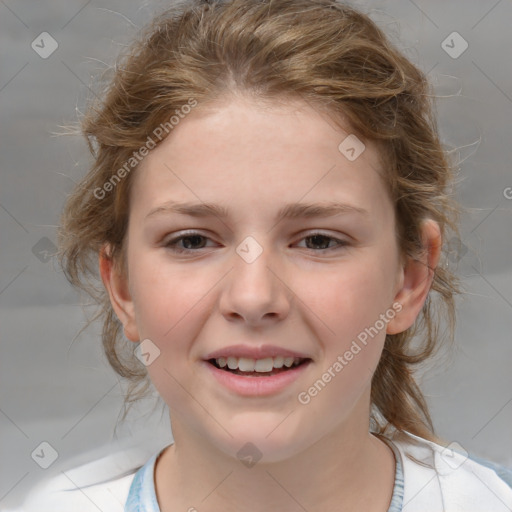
{"x":416,"y":278}
{"x":117,"y":287}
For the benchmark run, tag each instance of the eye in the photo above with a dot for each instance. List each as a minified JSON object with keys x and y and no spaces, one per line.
{"x":320,"y":239}
{"x":192,"y":241}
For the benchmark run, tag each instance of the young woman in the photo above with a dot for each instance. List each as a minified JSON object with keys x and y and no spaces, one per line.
{"x":268,"y":205}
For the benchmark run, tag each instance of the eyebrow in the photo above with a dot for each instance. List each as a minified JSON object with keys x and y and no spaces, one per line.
{"x":289,"y":211}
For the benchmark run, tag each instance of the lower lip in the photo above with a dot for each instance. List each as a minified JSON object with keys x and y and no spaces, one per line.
{"x":257,"y":386}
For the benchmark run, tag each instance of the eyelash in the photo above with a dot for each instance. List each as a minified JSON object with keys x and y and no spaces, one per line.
{"x":171,"y":244}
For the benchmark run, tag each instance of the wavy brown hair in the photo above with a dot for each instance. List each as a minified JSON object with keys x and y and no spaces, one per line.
{"x":320,"y":51}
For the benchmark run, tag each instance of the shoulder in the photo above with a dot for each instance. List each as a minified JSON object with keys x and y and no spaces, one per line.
{"x":450,"y":478}
{"x":103,"y":484}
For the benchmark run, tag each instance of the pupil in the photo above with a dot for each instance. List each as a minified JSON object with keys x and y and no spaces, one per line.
{"x":316,"y":237}
{"x":187,"y":239}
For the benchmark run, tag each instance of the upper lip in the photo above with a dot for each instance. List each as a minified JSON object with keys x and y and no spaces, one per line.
{"x":255,"y":352}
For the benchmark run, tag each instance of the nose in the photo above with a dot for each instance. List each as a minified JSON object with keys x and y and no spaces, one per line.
{"x":255,"y":291}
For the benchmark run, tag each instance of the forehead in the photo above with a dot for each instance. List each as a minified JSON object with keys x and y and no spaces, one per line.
{"x":261,"y":155}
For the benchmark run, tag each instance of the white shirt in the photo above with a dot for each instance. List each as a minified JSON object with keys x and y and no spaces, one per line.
{"x":435,"y":479}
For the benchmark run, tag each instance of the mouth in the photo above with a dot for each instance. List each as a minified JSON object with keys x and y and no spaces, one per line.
{"x":266,"y":367}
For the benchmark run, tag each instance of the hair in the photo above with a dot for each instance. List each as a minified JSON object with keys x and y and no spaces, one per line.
{"x":322,"y":52}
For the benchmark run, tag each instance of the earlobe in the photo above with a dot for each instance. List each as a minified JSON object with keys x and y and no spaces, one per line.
{"x":416,"y":278}
{"x":116,"y":285}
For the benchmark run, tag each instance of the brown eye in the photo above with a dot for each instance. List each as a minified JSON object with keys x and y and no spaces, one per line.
{"x":321,"y":242}
{"x":190,"y":242}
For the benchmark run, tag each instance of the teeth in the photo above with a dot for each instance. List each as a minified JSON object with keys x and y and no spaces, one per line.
{"x":245,"y":364}
{"x":278,"y":362}
{"x":288,"y":361}
{"x":263,"y":365}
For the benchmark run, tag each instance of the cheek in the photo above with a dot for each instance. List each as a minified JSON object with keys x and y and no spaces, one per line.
{"x":164,"y":297}
{"x":168,"y":303}
{"x":349,"y":298}
{"x":352,"y":335}
{"x":348,"y":305}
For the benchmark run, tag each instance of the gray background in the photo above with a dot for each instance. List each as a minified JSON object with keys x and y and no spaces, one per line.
{"x":59,"y":389}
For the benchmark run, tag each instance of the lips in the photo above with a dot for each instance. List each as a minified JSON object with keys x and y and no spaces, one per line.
{"x":253,"y":384}
{"x":256,"y":361}
{"x":261,"y":367}
{"x":255,"y":352}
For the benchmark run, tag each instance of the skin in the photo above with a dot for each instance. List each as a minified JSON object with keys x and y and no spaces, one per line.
{"x":253,"y":158}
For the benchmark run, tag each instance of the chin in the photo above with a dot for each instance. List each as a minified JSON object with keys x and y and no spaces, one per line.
{"x":262,"y":440}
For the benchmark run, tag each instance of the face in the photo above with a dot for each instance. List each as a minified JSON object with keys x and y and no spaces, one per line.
{"x":306,"y":285}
